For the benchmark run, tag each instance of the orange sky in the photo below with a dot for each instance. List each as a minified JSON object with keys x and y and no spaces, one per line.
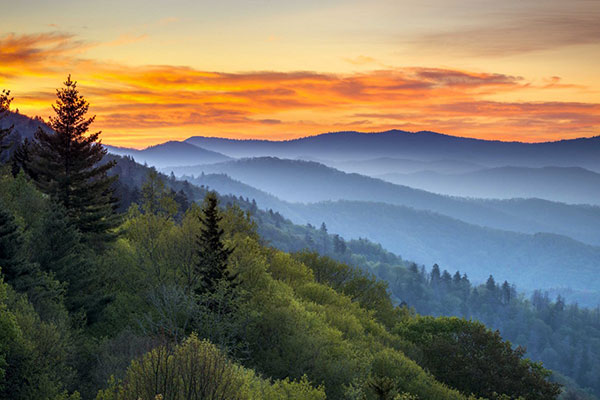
{"x":522,"y":70}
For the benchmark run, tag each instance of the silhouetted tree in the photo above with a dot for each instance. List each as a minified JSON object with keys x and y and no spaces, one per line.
{"x":5,"y":101}
{"x":21,"y":158}
{"x":67,"y":165}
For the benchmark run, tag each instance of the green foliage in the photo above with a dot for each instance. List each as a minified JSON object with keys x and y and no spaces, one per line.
{"x":197,"y":370}
{"x":212,"y":253}
{"x":156,"y":198}
{"x":468,"y":356}
{"x":34,"y":360}
{"x":303,"y":326}
{"x":11,"y":242}
{"x":67,"y":165}
{"x":564,"y":337}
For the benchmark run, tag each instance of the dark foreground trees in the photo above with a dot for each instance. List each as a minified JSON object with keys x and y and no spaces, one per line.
{"x":5,"y":101}
{"x":468,"y":356}
{"x":67,"y":164}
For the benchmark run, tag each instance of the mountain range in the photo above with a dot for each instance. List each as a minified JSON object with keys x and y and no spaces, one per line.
{"x":296,"y":181}
{"x":533,"y":242}
{"x":573,"y":185}
{"x":420,"y":146}
{"x":170,"y":153}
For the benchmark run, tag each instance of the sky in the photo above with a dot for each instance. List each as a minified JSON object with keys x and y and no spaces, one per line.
{"x":158,"y":70}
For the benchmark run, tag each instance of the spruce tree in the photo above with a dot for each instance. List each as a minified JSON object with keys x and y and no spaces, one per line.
{"x":67,"y":164}
{"x":21,"y":159}
{"x":5,"y":101}
{"x":23,"y":275}
{"x":212,"y":253}
{"x":12,"y":263}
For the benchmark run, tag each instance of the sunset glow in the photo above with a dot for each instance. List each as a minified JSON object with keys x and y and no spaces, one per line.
{"x":279,"y":70}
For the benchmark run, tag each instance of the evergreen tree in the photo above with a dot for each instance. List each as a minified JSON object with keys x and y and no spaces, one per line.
{"x":67,"y":165}
{"x":21,"y":158}
{"x":212,"y":255}
{"x":24,"y":276}
{"x":57,"y":248}
{"x":435,"y":275}
{"x":490,"y":284}
{"x":5,"y":101}
{"x":157,"y":199}
{"x":11,"y":241}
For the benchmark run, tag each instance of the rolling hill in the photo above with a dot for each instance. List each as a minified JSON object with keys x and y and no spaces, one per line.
{"x":310,"y":182}
{"x":388,"y":165}
{"x":423,"y":146}
{"x":532,"y":261}
{"x":564,"y":184}
{"x":170,"y":153}
{"x":540,"y":260}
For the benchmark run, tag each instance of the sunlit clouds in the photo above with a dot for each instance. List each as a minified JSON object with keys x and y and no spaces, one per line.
{"x":457,"y":79}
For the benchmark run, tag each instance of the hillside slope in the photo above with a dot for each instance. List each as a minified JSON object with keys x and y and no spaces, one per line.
{"x":307,"y":182}
{"x":568,"y":185}
{"x":170,"y":153}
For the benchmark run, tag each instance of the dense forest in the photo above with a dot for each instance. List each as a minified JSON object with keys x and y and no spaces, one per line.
{"x":111,"y":290}
{"x":565,"y":337}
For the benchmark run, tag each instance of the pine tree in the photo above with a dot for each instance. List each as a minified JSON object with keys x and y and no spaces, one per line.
{"x":57,"y":248}
{"x":21,"y":158}
{"x":11,"y":241}
{"x":67,"y":165}
{"x":58,"y":251}
{"x":5,"y":101}
{"x":24,"y":276}
{"x":212,"y":255}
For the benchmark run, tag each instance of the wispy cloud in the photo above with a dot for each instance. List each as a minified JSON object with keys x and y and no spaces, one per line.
{"x":547,"y":27}
{"x":35,"y":48}
{"x":360,"y":60}
{"x":144,"y":104}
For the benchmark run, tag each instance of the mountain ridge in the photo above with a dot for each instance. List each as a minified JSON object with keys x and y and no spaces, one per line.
{"x":423,"y":145}
{"x":164,"y":154}
{"x":573,"y":185}
{"x":310,"y":182}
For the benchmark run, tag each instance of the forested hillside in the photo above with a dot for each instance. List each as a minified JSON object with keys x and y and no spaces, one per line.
{"x":565,"y":337}
{"x":312,"y":182}
{"x":177,"y":300}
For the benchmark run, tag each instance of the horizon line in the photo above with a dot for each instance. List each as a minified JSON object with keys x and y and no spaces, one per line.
{"x":355,"y":132}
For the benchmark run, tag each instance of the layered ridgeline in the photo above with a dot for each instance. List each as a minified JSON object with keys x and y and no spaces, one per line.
{"x":310,"y":182}
{"x":170,"y":153}
{"x":566,"y":184}
{"x":419,"y":146}
{"x":534,"y":243}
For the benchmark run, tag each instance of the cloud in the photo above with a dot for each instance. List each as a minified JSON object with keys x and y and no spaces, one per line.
{"x":529,"y":27}
{"x":138,"y":105}
{"x":34,"y":48}
{"x":360,"y":60}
